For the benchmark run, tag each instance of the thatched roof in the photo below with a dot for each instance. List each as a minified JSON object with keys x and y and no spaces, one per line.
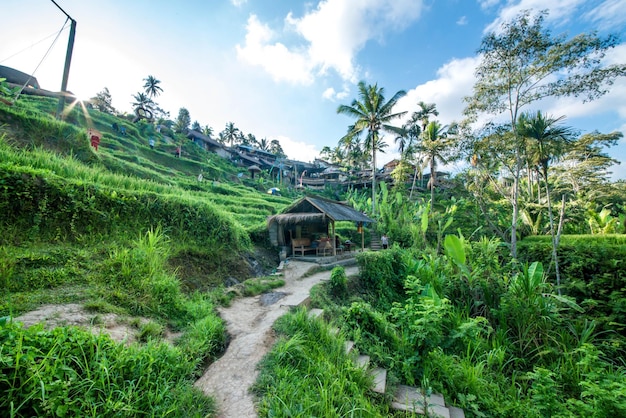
{"x":315,"y":208}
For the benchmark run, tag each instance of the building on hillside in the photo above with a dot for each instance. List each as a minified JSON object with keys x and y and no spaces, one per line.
{"x":207,"y":143}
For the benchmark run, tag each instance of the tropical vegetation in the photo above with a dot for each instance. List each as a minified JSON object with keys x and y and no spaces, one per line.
{"x":492,"y":293}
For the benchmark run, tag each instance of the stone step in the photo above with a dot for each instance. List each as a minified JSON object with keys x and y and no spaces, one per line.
{"x":380,"y":379}
{"x":315,"y":313}
{"x":456,"y":412}
{"x":348,"y":345}
{"x":334,"y":331}
{"x":411,"y":399}
{"x":363,"y":361}
{"x":306,"y":302}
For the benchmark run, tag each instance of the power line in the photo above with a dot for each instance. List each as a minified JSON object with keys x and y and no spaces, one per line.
{"x":35,"y":44}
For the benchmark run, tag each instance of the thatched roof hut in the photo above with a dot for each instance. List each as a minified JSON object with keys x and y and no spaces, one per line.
{"x":309,"y":216}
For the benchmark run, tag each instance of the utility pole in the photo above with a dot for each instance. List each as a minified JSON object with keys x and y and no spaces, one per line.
{"x":68,"y":61}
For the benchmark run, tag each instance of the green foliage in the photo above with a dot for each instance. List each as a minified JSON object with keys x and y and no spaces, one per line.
{"x":307,"y":373}
{"x":71,"y":372}
{"x":338,"y":281}
{"x":593,"y":272}
{"x":382,"y":275}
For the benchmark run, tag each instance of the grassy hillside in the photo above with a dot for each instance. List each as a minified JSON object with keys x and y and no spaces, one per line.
{"x":127,"y":230}
{"x":66,"y":207}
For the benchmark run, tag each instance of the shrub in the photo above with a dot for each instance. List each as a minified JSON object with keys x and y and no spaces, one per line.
{"x":338,"y":281}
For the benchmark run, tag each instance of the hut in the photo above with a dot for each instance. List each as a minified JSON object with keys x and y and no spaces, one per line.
{"x":308,"y":218}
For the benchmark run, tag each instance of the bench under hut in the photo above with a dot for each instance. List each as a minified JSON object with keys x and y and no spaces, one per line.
{"x":308,"y":218}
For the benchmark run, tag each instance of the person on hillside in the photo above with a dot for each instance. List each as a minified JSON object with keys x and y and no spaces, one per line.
{"x":384,"y":241}
{"x":151,"y":143}
{"x":178,"y":151}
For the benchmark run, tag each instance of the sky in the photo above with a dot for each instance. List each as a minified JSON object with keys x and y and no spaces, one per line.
{"x":279,"y":69}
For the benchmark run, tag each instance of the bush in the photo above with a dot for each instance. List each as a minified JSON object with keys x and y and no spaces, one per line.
{"x":338,"y":281}
{"x":382,"y":275}
{"x":592,"y":269}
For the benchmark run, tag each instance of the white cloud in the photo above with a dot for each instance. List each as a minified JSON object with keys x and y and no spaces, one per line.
{"x":332,"y":95}
{"x":610,"y":14}
{"x":462,"y":21}
{"x":454,"y":81}
{"x":487,"y":4}
{"x":559,"y":11}
{"x":276,"y":59}
{"x":332,"y":34}
{"x":298,"y":150}
{"x":238,"y":3}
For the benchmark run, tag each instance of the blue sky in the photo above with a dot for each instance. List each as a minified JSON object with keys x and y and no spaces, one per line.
{"x":279,"y":69}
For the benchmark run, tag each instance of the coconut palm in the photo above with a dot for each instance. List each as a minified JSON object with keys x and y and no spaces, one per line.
{"x":373,"y":115}
{"x":407,"y":147}
{"x":436,"y":145}
{"x":151,"y":86}
{"x":426,"y":110}
{"x":208,"y":131}
{"x":263,"y":144}
{"x":546,"y":142}
{"x":231,"y":133}
{"x":142,"y":100}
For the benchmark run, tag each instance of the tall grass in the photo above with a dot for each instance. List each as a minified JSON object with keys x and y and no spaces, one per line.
{"x":308,"y":373}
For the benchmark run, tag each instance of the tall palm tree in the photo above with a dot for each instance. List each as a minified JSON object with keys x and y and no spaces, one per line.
{"x":373,"y":115}
{"x":231,"y":133}
{"x":547,"y":141}
{"x":407,"y":147}
{"x":350,"y":146}
{"x":263,"y":144}
{"x":426,"y":110}
{"x":208,"y":131}
{"x":436,"y":145}
{"x":151,"y":86}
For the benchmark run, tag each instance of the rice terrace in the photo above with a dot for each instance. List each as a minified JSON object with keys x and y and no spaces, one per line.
{"x":151,"y":266}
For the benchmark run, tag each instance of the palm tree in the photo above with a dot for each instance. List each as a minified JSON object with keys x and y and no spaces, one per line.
{"x":231,"y":133}
{"x":143,"y":107}
{"x":436,"y":145}
{"x":264,"y":144}
{"x":547,"y":142}
{"x":424,"y":113}
{"x":350,"y":146}
{"x":151,"y":86}
{"x":208,"y":131}
{"x":142,"y":100}
{"x":373,"y":114}
{"x":406,"y":146}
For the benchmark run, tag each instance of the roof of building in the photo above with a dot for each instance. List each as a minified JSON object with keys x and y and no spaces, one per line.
{"x":193,"y":134}
{"x":313,"y":208}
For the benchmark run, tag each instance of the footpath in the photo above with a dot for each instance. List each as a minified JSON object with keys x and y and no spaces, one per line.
{"x":249,"y":323}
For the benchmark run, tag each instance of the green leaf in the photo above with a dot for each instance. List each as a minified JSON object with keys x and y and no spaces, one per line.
{"x":454,"y":249}
{"x":535,"y":271}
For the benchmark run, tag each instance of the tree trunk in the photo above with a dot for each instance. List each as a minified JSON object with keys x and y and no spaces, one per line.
{"x":413,"y":185}
{"x":432,"y":184}
{"x":373,"y":177}
{"x":554,"y":242}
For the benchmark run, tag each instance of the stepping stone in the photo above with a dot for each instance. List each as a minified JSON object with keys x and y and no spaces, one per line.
{"x":348,"y":345}
{"x":315,"y":313}
{"x":380,"y":379}
{"x":411,"y":399}
{"x":334,"y":331}
{"x":363,"y":361}
{"x":306,"y":302}
{"x":456,"y":412}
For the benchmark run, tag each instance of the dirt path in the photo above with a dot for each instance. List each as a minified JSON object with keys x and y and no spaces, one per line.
{"x":249,"y":323}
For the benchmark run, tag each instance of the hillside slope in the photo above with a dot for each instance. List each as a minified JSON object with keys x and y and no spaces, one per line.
{"x":66,"y":208}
